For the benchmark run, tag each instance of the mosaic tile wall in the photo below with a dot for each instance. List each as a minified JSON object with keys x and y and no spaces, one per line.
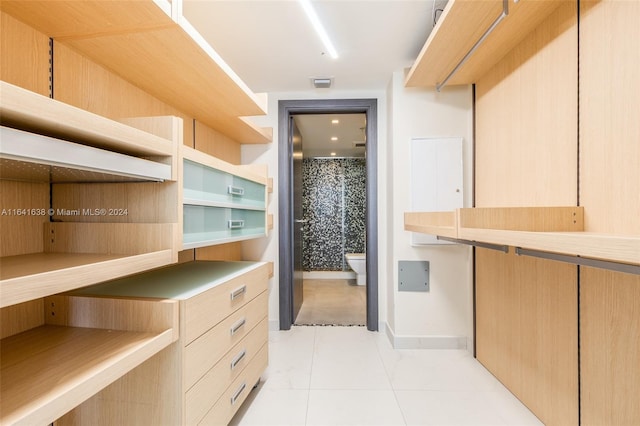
{"x":334,"y":203}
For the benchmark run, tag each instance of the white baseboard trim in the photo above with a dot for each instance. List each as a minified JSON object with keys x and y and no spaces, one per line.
{"x":425,"y":342}
{"x":329,"y":275}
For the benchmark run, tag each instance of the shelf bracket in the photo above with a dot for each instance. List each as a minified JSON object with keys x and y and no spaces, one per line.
{"x":498,"y":247}
{"x":505,"y":12}
{"x":582,"y":261}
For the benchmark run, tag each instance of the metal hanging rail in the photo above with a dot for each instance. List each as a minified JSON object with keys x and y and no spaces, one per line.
{"x":505,"y":12}
{"x":582,"y":261}
{"x":498,"y":247}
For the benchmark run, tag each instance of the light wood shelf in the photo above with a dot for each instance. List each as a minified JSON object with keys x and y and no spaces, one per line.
{"x":151,"y":44}
{"x":49,"y":370}
{"x":30,"y":111}
{"x":461,"y":25}
{"x":549,"y":229}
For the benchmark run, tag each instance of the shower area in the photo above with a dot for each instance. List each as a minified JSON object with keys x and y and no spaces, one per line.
{"x":334,"y":205}
{"x":333,"y":192}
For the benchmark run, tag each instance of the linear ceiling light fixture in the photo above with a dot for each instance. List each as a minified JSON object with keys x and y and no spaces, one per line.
{"x":317,"y":25}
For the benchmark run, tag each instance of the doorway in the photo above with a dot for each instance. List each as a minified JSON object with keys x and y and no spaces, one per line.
{"x":290,"y":218}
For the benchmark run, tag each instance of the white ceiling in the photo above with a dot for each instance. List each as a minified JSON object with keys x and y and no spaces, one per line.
{"x":273,"y":48}
{"x":317,"y":131}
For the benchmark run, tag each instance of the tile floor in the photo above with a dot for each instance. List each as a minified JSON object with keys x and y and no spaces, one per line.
{"x":328,"y":375}
{"x":332,"y":301}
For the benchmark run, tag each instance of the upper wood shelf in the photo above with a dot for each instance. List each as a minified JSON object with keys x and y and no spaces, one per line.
{"x":32,"y":112}
{"x":151,"y":44}
{"x":461,"y":25}
{"x":551,"y":229}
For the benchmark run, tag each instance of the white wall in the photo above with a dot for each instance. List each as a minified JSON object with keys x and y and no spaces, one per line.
{"x":434,"y":319}
{"x":443,"y":316}
{"x":267,"y":249}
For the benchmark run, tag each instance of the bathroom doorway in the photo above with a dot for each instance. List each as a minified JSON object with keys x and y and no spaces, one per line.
{"x":329,"y":195}
{"x":339,"y":215}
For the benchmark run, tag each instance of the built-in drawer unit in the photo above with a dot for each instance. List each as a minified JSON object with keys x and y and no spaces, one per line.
{"x":223,"y":332}
{"x":221,"y":202}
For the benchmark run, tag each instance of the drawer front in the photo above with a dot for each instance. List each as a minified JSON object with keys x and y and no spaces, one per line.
{"x":204,"y":352}
{"x":207,"y":309}
{"x":204,"y":225}
{"x":237,"y":392}
{"x":201,"y":397}
{"x":210,"y":185}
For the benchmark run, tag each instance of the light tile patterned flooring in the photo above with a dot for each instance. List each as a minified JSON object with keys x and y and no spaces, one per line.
{"x":351,"y":376}
{"x":338,"y":302}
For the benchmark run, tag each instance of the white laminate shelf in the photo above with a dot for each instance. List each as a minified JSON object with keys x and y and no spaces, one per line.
{"x":49,"y":370}
{"x":152,"y":45}
{"x":549,"y":229}
{"x":34,"y":157}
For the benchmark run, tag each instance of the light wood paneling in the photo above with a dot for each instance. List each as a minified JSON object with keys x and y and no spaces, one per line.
{"x":25,"y":55}
{"x":526,"y":320}
{"x":21,"y":232}
{"x":436,"y":223}
{"x":216,"y":144}
{"x":538,"y":219}
{"x":82,"y":83}
{"x":229,"y":251}
{"x":609,"y":110}
{"x":609,"y":347}
{"x":143,"y":202}
{"x":526,"y":109}
{"x":21,"y":317}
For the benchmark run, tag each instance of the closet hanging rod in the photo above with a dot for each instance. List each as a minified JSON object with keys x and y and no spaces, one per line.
{"x":497,"y":247}
{"x":582,"y":261}
{"x":505,"y":12}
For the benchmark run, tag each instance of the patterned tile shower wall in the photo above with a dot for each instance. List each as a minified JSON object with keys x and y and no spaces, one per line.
{"x":334,"y":200}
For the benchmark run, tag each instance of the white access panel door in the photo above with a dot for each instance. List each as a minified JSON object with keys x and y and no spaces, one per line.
{"x":436,"y":179}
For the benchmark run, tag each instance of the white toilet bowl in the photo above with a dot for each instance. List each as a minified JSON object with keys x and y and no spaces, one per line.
{"x":358,"y":262}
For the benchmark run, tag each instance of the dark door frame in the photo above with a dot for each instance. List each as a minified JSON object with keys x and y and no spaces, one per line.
{"x":287,"y":108}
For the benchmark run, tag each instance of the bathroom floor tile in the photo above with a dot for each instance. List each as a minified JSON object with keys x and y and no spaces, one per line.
{"x":277,"y":407}
{"x":353,"y":407}
{"x":290,"y":357}
{"x":332,"y":301}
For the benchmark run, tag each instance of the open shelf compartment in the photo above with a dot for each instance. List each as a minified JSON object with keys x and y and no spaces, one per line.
{"x":48,"y":370}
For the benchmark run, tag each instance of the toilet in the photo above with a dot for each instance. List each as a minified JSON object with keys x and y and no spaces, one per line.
{"x":358,"y":262}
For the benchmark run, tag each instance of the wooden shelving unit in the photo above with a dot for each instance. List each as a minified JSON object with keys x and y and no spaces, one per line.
{"x":76,"y":249}
{"x":48,"y":370}
{"x":549,"y":229}
{"x":461,"y":25}
{"x":151,"y":44}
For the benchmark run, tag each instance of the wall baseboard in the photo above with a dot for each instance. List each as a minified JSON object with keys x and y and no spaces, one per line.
{"x":425,"y":342}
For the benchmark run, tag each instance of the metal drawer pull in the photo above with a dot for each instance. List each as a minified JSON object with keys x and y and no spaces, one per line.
{"x":237,"y":393}
{"x":235,"y":190}
{"x":235,"y":327}
{"x":238,"y":358}
{"x":235,"y":223}
{"x":238,"y":292}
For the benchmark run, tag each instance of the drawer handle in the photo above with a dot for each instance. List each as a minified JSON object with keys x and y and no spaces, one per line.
{"x":238,"y":358}
{"x":235,"y":327}
{"x":235,"y":223}
{"x":237,"y":393}
{"x":235,"y":190}
{"x":238,"y":292}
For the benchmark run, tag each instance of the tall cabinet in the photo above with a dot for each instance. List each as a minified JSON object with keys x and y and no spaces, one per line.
{"x":557,"y":165}
{"x":118,"y":121}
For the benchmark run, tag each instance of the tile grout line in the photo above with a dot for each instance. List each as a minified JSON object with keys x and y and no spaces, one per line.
{"x":386,"y":372}
{"x":313,"y":353}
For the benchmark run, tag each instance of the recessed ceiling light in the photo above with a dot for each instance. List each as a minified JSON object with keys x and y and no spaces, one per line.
{"x":333,"y":153}
{"x":334,"y":138}
{"x":317,"y":25}
{"x":335,"y":121}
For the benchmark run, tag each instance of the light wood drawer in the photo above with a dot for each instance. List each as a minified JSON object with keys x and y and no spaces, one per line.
{"x":205,"y":310}
{"x":201,"y":397}
{"x":204,"y":352}
{"x":238,"y":391}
